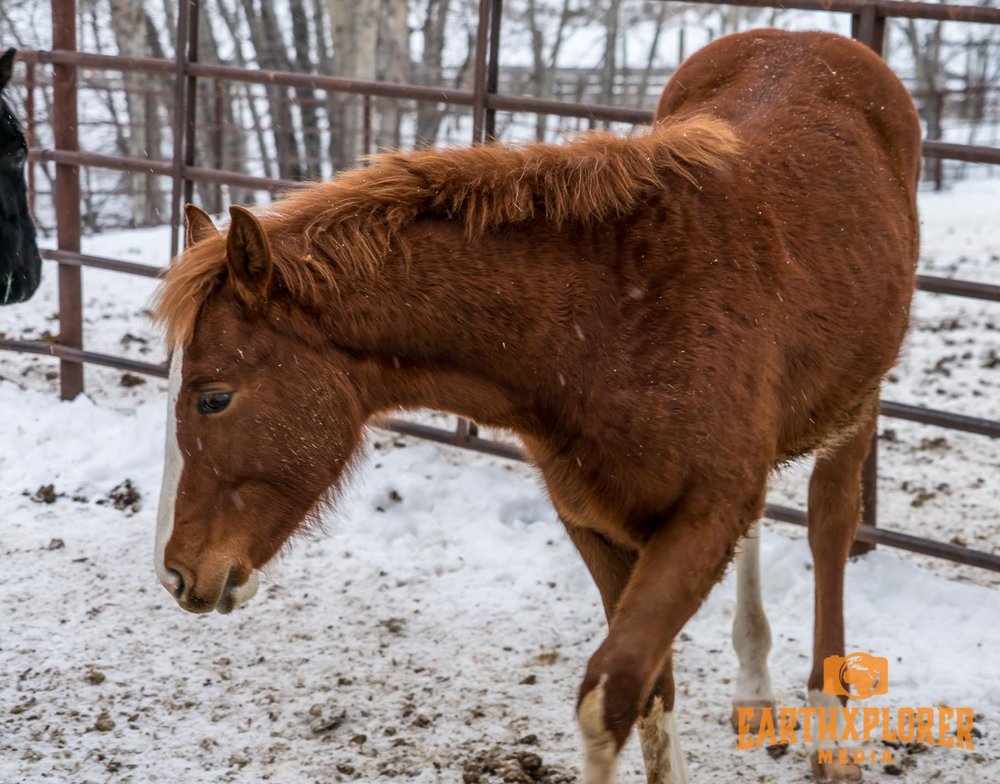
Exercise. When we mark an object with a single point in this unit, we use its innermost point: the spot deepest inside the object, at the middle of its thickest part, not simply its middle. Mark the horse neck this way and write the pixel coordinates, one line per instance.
(476, 326)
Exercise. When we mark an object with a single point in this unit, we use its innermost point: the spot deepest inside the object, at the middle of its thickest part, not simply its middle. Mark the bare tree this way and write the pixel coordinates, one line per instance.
(609, 69)
(393, 56)
(925, 42)
(354, 28)
(265, 33)
(136, 36)
(245, 98)
(221, 141)
(432, 73)
(540, 17)
(643, 87)
(308, 108)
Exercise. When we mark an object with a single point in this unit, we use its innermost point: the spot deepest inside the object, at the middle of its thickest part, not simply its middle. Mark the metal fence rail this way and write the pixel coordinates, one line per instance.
(868, 25)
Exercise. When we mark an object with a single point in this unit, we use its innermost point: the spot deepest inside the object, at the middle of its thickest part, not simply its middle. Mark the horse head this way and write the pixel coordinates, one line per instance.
(264, 417)
(20, 264)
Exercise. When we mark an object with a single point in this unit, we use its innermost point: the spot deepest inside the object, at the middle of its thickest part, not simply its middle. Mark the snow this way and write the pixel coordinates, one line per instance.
(442, 619)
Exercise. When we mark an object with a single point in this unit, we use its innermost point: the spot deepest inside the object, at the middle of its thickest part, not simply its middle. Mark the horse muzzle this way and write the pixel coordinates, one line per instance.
(207, 593)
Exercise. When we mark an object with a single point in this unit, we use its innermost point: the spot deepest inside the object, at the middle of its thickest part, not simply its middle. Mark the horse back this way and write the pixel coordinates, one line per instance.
(772, 83)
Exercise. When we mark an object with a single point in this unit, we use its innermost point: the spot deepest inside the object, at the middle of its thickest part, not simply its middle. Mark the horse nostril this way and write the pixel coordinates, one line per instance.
(175, 583)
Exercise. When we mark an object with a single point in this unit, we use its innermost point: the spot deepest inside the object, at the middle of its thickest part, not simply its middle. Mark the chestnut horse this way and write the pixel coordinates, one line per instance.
(20, 264)
(661, 318)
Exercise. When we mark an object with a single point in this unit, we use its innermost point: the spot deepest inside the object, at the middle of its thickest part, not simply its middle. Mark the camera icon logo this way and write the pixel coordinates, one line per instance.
(856, 675)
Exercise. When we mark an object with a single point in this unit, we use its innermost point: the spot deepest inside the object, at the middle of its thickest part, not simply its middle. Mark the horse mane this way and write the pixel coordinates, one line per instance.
(346, 227)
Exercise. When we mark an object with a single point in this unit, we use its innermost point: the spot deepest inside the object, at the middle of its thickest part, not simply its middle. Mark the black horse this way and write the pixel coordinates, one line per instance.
(20, 264)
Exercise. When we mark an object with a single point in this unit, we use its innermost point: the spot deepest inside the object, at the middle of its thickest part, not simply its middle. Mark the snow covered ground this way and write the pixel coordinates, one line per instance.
(437, 630)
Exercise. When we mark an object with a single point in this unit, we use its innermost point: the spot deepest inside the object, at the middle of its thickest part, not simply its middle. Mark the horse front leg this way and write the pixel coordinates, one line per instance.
(674, 572)
(611, 567)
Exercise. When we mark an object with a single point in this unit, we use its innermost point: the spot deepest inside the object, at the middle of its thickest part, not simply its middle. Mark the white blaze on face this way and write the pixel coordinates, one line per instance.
(173, 464)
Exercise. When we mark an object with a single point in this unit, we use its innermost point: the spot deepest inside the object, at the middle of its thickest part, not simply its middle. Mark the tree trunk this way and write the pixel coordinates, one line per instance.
(610, 67)
(271, 56)
(428, 114)
(643, 88)
(930, 80)
(536, 80)
(221, 140)
(132, 36)
(307, 97)
(354, 30)
(394, 66)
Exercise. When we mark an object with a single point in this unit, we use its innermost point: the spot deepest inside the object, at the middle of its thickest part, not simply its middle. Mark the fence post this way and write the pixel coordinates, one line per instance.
(868, 27)
(483, 118)
(191, 100)
(480, 76)
(180, 71)
(29, 127)
(151, 216)
(366, 124)
(218, 161)
(67, 197)
(480, 124)
(493, 69)
(935, 165)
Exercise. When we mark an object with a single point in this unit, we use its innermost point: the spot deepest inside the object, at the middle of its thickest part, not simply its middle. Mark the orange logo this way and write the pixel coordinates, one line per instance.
(857, 675)
(839, 729)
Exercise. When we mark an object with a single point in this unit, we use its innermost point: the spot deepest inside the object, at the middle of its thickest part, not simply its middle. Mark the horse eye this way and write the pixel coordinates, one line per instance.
(213, 402)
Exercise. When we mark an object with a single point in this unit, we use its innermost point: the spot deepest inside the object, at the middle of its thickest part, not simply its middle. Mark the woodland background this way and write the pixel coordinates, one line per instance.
(617, 52)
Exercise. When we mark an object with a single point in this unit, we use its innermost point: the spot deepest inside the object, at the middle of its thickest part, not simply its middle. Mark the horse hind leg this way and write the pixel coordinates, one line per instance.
(611, 568)
(834, 515)
(751, 638)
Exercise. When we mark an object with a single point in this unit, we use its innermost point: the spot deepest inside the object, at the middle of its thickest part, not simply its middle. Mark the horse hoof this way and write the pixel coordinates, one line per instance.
(834, 771)
(758, 707)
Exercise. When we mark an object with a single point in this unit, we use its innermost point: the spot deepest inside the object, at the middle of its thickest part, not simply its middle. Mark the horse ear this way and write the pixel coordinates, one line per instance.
(197, 225)
(248, 256)
(6, 66)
